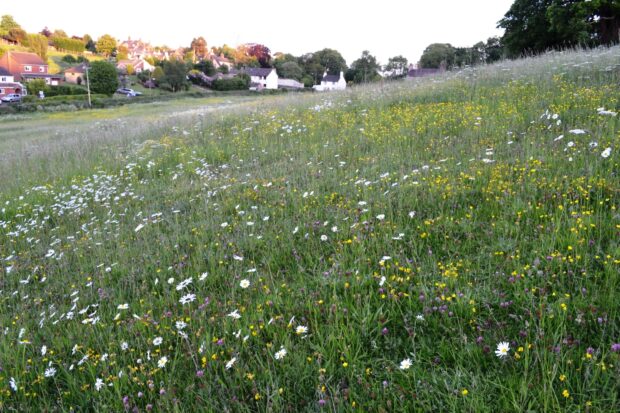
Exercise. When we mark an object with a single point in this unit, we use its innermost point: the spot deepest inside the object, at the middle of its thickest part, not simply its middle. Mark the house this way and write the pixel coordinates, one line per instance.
(27, 66)
(139, 65)
(290, 84)
(219, 61)
(6, 76)
(75, 74)
(332, 82)
(416, 72)
(260, 78)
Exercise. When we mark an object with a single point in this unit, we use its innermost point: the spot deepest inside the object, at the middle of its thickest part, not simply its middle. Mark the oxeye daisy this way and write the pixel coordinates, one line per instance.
(502, 349)
(405, 364)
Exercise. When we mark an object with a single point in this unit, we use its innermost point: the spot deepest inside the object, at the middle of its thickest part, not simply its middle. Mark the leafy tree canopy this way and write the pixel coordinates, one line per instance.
(103, 77)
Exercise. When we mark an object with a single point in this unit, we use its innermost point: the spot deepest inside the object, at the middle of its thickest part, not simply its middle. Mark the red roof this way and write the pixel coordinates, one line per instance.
(22, 58)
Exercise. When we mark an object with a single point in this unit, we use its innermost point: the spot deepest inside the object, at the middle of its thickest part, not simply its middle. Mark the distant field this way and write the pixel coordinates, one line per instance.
(449, 244)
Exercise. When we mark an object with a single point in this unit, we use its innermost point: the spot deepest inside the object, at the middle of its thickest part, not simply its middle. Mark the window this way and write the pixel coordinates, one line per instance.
(3, 79)
(27, 68)
(1, 91)
(41, 69)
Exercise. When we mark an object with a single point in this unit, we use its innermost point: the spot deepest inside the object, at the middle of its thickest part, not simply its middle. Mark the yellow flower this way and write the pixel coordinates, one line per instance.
(464, 392)
(562, 377)
(565, 393)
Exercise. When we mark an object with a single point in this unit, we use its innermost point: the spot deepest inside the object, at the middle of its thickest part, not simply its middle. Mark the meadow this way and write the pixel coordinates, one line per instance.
(444, 244)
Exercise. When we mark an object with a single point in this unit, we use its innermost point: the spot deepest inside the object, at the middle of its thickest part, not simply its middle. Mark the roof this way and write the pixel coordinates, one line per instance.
(331, 78)
(4, 72)
(22, 58)
(40, 76)
(254, 71)
(76, 69)
(292, 83)
(11, 84)
(422, 72)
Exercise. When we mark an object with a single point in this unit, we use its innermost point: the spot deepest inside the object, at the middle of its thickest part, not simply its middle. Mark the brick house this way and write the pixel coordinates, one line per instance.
(74, 73)
(8, 84)
(27, 66)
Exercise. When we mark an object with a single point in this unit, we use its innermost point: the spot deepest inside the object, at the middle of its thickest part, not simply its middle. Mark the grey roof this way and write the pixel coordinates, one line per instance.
(4, 72)
(331, 78)
(422, 72)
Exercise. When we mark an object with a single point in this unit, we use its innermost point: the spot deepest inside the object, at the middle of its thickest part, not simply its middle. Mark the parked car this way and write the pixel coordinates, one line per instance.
(128, 92)
(12, 97)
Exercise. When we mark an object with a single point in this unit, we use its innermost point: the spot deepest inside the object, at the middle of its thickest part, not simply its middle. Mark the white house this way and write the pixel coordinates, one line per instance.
(260, 78)
(331, 82)
(138, 65)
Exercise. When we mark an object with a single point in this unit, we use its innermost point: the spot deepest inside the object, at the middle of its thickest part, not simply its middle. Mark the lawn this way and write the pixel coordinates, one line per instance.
(444, 244)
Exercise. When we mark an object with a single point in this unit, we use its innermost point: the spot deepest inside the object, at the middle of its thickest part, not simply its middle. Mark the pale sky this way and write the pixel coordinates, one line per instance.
(385, 28)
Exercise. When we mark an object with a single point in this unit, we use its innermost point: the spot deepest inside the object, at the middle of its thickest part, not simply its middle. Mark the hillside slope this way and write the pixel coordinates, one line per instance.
(373, 249)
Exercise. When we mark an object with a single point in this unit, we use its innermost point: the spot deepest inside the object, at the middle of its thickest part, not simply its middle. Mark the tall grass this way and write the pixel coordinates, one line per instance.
(364, 250)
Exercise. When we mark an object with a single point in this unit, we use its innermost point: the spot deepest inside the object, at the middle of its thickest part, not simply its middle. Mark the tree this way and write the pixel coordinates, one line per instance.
(533, 26)
(122, 52)
(290, 70)
(199, 46)
(59, 33)
(206, 67)
(158, 74)
(438, 55)
(396, 67)
(89, 43)
(106, 45)
(37, 43)
(37, 85)
(316, 64)
(493, 49)
(261, 53)
(7, 23)
(103, 77)
(46, 32)
(364, 69)
(175, 76)
(17, 35)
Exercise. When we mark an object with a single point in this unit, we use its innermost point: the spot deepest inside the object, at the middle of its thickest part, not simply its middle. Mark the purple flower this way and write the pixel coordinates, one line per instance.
(615, 347)
(200, 373)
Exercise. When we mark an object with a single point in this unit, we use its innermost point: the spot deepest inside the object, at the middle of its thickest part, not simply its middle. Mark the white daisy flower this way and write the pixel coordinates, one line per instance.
(502, 349)
(405, 364)
(245, 283)
(161, 363)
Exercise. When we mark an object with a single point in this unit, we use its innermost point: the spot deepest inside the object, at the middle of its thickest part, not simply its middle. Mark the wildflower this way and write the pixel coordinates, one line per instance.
(419, 317)
(334, 228)
(157, 341)
(606, 153)
(124, 346)
(50, 372)
(323, 237)
(280, 354)
(565, 393)
(245, 283)
(203, 276)
(562, 377)
(405, 364)
(188, 298)
(230, 363)
(411, 214)
(301, 330)
(464, 392)
(184, 284)
(43, 350)
(235, 314)
(577, 131)
(381, 217)
(161, 363)
(502, 349)
(13, 384)
(615, 347)
(122, 306)
(98, 384)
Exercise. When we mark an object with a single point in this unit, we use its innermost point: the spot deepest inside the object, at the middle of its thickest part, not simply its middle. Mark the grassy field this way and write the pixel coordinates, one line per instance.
(450, 244)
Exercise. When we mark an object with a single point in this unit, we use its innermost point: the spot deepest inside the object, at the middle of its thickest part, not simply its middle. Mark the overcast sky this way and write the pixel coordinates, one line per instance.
(385, 28)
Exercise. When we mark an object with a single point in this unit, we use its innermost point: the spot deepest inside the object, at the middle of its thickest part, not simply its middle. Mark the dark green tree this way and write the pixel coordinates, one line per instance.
(206, 67)
(396, 67)
(290, 70)
(438, 55)
(175, 76)
(365, 69)
(103, 77)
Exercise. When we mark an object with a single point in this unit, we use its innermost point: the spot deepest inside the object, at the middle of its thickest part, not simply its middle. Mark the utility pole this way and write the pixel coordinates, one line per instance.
(88, 86)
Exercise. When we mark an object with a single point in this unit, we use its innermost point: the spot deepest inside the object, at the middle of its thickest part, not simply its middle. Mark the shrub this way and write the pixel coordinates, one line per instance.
(239, 82)
(69, 59)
